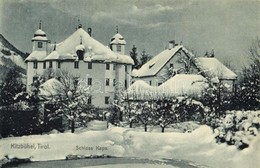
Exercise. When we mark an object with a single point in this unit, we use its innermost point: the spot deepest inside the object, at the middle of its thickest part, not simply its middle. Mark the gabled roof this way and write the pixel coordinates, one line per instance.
(153, 66)
(178, 85)
(213, 68)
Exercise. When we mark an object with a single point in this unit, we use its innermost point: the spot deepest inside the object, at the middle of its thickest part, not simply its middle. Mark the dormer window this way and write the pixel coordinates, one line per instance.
(151, 65)
(39, 44)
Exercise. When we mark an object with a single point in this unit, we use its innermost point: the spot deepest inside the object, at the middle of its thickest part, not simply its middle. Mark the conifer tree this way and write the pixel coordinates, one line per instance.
(144, 58)
(134, 54)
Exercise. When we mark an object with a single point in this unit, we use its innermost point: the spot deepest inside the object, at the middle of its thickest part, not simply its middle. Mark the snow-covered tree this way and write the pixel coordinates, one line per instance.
(20, 110)
(70, 99)
(142, 112)
(164, 113)
(11, 85)
(249, 90)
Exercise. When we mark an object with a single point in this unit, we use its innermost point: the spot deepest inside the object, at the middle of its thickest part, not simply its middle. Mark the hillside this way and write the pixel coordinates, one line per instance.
(9, 56)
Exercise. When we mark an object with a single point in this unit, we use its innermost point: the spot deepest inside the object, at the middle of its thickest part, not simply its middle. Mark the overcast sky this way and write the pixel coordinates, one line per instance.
(227, 26)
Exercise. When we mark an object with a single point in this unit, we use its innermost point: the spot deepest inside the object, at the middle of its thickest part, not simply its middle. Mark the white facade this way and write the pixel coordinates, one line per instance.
(105, 70)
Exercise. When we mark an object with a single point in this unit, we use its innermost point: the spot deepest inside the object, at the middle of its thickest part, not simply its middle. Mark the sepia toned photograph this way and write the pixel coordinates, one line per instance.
(130, 83)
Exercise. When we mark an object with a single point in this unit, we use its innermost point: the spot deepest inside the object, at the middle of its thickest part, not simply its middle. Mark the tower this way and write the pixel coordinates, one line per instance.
(118, 43)
(39, 41)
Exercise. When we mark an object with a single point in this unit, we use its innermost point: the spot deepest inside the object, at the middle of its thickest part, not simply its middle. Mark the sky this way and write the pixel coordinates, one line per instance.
(227, 26)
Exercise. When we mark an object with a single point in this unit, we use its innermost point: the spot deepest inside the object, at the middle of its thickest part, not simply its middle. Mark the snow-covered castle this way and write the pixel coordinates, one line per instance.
(103, 68)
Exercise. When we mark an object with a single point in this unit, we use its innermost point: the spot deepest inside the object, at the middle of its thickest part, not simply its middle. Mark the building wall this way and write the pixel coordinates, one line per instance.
(33, 72)
(98, 74)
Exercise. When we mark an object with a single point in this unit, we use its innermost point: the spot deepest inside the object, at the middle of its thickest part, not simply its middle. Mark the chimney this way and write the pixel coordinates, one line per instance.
(171, 44)
(89, 31)
(212, 53)
(79, 26)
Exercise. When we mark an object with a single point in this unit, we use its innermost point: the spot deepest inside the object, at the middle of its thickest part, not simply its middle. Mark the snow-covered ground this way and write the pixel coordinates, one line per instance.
(133, 166)
(199, 146)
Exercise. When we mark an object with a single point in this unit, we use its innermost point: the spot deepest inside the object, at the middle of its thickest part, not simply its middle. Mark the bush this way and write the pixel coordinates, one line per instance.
(237, 128)
(20, 122)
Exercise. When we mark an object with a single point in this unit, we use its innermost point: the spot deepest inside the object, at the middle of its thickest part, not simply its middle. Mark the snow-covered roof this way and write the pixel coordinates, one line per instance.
(36, 56)
(153, 66)
(178, 85)
(93, 48)
(183, 84)
(50, 87)
(118, 39)
(39, 38)
(213, 68)
(141, 90)
(39, 32)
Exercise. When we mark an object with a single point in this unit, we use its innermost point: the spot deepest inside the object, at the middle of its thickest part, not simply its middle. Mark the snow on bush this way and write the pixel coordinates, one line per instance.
(237, 128)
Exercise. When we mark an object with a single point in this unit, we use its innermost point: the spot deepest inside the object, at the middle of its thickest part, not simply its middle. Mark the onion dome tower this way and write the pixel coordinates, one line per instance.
(118, 43)
(39, 41)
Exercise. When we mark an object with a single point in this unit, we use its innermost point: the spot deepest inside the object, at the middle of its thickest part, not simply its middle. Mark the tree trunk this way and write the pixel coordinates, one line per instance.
(163, 129)
(72, 125)
(131, 124)
(145, 128)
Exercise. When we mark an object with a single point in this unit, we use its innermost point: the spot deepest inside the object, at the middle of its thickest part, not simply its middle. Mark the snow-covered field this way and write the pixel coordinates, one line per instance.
(199, 146)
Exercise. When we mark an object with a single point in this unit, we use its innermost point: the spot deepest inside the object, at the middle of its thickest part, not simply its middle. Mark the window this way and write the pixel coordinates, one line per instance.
(59, 64)
(76, 65)
(50, 64)
(90, 65)
(35, 65)
(171, 65)
(89, 81)
(107, 66)
(114, 66)
(35, 78)
(107, 81)
(114, 82)
(90, 100)
(39, 44)
(126, 68)
(118, 48)
(126, 84)
(106, 100)
(44, 65)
